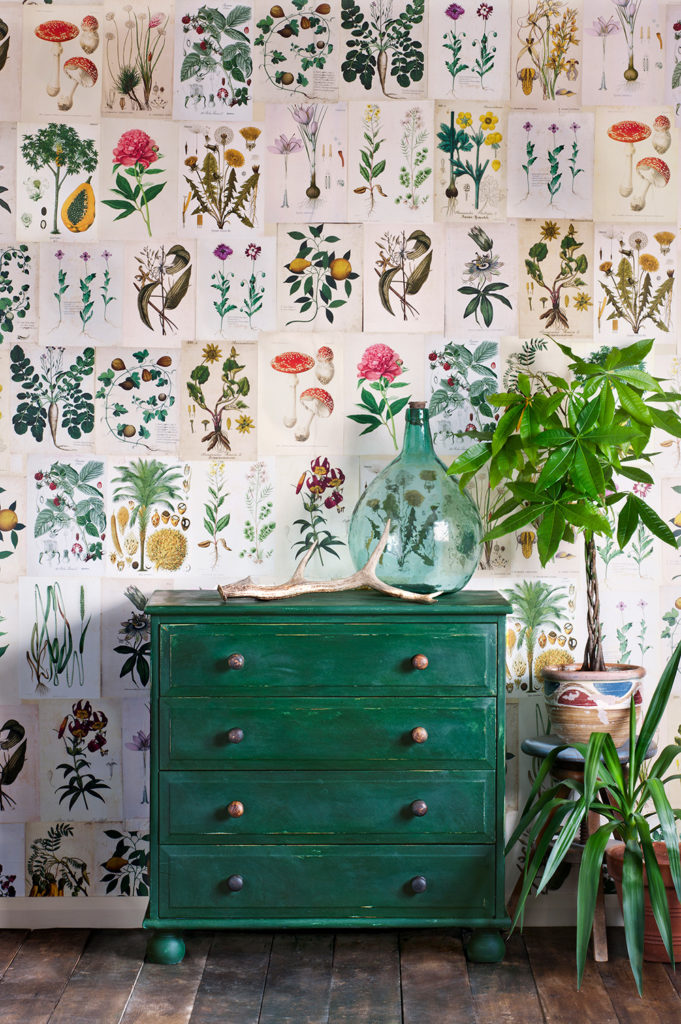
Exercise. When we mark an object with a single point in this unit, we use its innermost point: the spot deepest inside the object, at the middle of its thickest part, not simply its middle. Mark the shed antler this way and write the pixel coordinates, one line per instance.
(297, 585)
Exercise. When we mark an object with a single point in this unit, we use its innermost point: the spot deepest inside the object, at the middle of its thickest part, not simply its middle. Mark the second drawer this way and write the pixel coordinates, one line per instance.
(399, 806)
(286, 732)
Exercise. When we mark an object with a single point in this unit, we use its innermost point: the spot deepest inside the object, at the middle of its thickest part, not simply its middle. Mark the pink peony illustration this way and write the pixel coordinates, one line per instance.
(135, 147)
(379, 361)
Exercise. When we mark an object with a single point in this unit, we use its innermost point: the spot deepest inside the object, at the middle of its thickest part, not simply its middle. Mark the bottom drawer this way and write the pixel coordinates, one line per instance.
(313, 881)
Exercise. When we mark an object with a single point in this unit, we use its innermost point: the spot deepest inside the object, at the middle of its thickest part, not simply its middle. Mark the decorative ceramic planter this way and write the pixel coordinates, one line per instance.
(653, 946)
(580, 703)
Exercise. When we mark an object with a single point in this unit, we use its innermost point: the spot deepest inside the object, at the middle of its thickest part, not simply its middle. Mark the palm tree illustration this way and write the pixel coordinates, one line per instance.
(147, 484)
(536, 604)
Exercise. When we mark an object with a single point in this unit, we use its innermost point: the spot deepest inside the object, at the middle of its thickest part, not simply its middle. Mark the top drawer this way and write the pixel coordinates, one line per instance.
(331, 657)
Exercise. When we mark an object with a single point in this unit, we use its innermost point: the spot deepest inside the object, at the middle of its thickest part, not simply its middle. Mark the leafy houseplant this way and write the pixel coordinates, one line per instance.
(563, 448)
(554, 821)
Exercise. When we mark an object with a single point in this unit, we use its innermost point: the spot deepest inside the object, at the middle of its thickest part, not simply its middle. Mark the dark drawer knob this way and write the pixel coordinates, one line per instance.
(236, 661)
(236, 809)
(419, 808)
(235, 883)
(235, 735)
(419, 734)
(419, 661)
(418, 883)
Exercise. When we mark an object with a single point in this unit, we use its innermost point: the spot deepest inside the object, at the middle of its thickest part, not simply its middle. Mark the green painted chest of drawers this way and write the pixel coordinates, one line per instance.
(330, 761)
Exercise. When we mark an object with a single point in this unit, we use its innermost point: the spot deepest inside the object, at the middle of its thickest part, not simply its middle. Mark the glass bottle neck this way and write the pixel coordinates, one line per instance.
(417, 436)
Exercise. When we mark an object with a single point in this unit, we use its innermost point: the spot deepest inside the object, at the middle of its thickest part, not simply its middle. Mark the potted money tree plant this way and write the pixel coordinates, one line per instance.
(634, 805)
(568, 450)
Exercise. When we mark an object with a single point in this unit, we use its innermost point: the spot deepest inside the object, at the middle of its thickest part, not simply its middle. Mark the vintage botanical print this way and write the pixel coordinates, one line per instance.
(468, 53)
(300, 392)
(59, 859)
(138, 179)
(81, 290)
(403, 271)
(635, 274)
(638, 163)
(159, 292)
(213, 60)
(550, 164)
(67, 518)
(18, 312)
(546, 52)
(219, 172)
(136, 400)
(219, 405)
(621, 53)
(19, 745)
(471, 162)
(52, 388)
(462, 377)
(319, 277)
(137, 64)
(150, 517)
(556, 290)
(482, 272)
(236, 288)
(61, 63)
(382, 48)
(297, 50)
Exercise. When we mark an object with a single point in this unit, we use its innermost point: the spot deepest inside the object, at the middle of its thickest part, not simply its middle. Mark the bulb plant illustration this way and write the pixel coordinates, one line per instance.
(463, 144)
(315, 274)
(480, 273)
(52, 396)
(380, 41)
(285, 146)
(135, 152)
(220, 185)
(229, 396)
(377, 373)
(141, 742)
(309, 119)
(59, 149)
(321, 490)
(628, 16)
(83, 733)
(295, 44)
(603, 28)
(146, 383)
(148, 486)
(571, 265)
(371, 168)
(403, 267)
(630, 294)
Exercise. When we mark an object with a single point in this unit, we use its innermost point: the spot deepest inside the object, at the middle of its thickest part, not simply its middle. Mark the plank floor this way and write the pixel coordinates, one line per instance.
(321, 977)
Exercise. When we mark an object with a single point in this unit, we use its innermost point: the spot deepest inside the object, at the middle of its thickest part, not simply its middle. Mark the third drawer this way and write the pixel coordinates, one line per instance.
(338, 806)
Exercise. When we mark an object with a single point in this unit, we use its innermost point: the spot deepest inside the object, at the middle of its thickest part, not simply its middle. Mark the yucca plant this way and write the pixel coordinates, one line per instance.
(554, 821)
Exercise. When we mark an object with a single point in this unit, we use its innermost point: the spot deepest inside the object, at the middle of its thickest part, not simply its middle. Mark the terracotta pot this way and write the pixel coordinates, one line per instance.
(580, 703)
(653, 946)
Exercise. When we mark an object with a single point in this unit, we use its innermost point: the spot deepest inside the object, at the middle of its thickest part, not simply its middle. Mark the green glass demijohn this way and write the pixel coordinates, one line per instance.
(435, 532)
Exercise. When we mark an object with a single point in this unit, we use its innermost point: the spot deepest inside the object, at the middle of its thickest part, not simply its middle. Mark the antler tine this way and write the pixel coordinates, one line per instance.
(299, 573)
(375, 556)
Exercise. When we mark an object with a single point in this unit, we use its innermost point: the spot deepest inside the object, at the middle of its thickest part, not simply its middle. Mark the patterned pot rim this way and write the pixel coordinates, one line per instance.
(614, 673)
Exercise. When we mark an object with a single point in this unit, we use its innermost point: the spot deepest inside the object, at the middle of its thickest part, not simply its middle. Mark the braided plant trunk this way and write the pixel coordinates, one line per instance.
(593, 651)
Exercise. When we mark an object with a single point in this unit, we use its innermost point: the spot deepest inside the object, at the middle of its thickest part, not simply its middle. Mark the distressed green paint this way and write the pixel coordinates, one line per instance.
(327, 768)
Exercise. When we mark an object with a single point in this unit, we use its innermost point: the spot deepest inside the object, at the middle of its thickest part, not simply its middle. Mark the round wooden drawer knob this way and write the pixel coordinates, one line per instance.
(235, 883)
(235, 809)
(235, 735)
(236, 661)
(418, 883)
(419, 808)
(419, 661)
(419, 734)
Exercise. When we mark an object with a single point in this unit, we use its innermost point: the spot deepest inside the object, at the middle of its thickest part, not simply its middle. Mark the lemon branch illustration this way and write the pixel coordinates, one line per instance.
(316, 273)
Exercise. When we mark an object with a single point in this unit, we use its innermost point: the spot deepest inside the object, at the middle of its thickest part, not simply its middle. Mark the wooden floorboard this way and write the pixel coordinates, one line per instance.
(233, 981)
(365, 986)
(33, 983)
(11, 940)
(435, 986)
(167, 994)
(298, 979)
(551, 952)
(501, 991)
(100, 986)
(661, 1003)
(413, 976)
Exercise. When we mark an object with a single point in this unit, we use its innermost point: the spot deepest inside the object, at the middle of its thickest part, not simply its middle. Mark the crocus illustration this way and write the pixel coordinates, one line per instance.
(603, 28)
(141, 742)
(627, 12)
(309, 118)
(135, 151)
(284, 146)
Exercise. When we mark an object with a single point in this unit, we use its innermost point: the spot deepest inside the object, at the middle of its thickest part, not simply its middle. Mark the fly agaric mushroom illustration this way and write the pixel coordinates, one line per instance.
(80, 71)
(317, 402)
(56, 32)
(292, 363)
(89, 39)
(653, 171)
(629, 132)
(324, 369)
(662, 138)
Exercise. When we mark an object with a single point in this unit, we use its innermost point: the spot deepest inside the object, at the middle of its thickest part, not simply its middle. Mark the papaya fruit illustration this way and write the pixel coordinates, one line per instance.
(78, 211)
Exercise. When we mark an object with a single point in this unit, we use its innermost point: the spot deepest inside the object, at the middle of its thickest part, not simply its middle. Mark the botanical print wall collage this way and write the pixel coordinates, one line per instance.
(236, 238)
